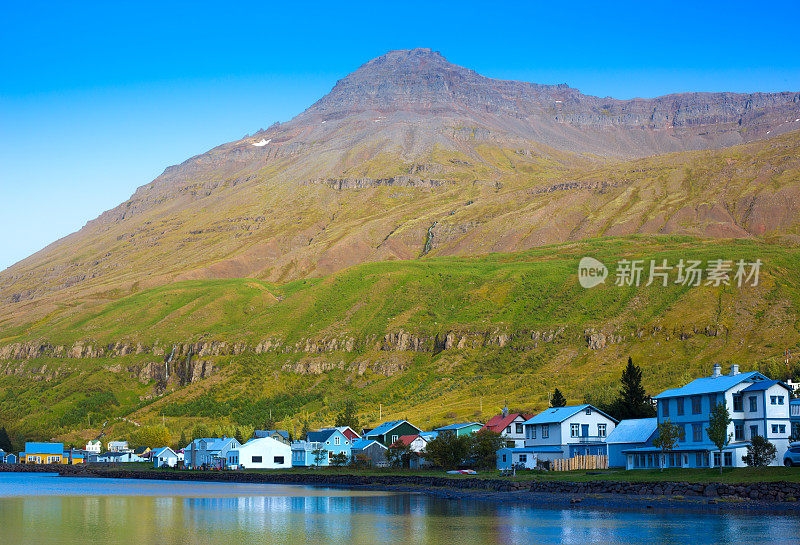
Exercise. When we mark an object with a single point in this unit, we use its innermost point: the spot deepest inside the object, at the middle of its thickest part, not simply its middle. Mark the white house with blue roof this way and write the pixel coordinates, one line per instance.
(564, 432)
(757, 406)
(629, 434)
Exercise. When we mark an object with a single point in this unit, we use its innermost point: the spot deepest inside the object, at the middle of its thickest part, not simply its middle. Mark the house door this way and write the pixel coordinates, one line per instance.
(584, 430)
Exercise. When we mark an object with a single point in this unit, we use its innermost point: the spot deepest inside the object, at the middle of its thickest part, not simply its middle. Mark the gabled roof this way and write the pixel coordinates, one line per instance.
(429, 435)
(634, 430)
(214, 443)
(500, 422)
(44, 448)
(164, 450)
(361, 444)
(321, 436)
(555, 415)
(765, 385)
(711, 385)
(407, 439)
(458, 426)
(266, 433)
(386, 427)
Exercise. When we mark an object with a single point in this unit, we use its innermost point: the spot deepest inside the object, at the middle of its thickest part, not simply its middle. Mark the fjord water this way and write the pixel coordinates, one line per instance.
(45, 509)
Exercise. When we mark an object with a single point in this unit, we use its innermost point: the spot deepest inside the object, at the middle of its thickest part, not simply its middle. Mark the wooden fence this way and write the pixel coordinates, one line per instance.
(583, 461)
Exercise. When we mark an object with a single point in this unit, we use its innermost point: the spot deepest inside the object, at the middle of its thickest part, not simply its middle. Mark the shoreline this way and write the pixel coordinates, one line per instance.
(596, 495)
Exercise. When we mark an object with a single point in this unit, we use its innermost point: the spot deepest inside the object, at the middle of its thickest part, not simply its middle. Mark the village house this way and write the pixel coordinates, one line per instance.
(416, 444)
(260, 453)
(7, 457)
(347, 431)
(509, 426)
(118, 446)
(794, 418)
(209, 452)
(164, 457)
(318, 447)
(117, 458)
(757, 406)
(565, 432)
(42, 453)
(460, 430)
(369, 452)
(629, 434)
(94, 446)
(520, 457)
(278, 435)
(389, 432)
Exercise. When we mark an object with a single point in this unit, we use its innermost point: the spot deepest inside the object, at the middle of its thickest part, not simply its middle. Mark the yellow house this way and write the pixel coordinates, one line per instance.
(43, 453)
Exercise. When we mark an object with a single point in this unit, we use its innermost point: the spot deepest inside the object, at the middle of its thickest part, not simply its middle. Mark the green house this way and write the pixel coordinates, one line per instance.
(389, 432)
(467, 428)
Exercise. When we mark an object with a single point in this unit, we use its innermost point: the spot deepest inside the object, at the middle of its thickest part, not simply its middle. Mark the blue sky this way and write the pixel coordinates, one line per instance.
(97, 99)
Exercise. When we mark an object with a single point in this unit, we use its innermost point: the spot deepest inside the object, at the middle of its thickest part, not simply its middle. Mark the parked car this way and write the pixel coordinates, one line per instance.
(792, 456)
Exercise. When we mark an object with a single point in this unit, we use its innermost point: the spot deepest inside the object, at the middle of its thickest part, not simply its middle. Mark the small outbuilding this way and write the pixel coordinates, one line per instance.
(521, 457)
(164, 457)
(629, 434)
(369, 451)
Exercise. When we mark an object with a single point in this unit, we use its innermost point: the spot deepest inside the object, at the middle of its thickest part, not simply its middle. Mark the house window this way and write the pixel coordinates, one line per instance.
(679, 401)
(574, 430)
(737, 403)
(588, 410)
(601, 430)
(394, 439)
(753, 431)
(696, 405)
(504, 458)
(665, 407)
(523, 458)
(717, 460)
(257, 459)
(337, 440)
(774, 428)
(773, 400)
(278, 459)
(795, 429)
(545, 431)
(533, 432)
(698, 459)
(697, 433)
(738, 432)
(682, 433)
(508, 429)
(728, 459)
(780, 400)
(519, 428)
(782, 429)
(753, 403)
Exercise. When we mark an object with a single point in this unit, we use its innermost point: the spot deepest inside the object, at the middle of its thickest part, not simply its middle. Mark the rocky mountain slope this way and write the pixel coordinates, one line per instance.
(219, 273)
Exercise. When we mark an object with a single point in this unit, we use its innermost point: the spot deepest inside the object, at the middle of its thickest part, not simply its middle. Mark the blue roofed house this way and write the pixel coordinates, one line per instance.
(466, 428)
(757, 406)
(165, 457)
(627, 435)
(318, 447)
(564, 432)
(369, 452)
(209, 452)
(389, 432)
(42, 453)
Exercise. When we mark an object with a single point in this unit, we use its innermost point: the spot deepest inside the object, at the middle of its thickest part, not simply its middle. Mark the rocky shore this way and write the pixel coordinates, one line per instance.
(762, 496)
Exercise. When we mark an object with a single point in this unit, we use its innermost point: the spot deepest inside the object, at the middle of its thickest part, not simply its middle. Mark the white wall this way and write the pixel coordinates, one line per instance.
(267, 449)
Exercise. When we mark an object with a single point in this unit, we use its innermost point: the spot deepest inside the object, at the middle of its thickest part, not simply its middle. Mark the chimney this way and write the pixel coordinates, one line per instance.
(717, 371)
(734, 369)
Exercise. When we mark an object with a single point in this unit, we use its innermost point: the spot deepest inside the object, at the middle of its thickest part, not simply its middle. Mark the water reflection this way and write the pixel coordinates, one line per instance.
(206, 513)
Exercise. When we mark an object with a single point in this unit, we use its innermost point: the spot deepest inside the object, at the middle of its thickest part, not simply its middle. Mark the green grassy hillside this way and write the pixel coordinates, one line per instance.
(432, 340)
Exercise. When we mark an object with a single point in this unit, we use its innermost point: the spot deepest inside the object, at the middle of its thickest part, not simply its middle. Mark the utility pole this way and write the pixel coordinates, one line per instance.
(380, 412)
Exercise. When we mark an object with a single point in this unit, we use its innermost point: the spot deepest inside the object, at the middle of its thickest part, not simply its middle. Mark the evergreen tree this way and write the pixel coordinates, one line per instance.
(239, 437)
(304, 432)
(184, 441)
(558, 399)
(5, 441)
(633, 401)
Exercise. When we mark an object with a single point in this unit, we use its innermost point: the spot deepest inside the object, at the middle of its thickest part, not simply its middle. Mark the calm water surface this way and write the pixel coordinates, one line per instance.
(45, 509)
